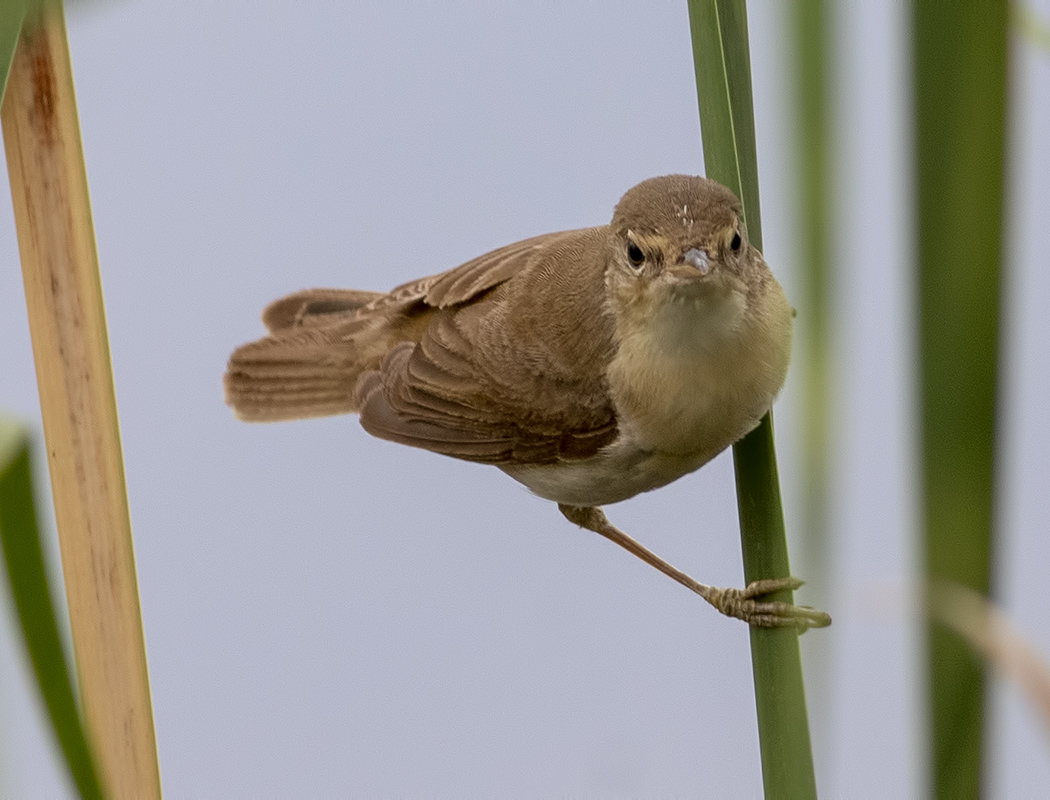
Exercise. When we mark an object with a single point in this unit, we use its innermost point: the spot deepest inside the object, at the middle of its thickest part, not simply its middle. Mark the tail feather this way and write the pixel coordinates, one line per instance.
(320, 342)
(293, 374)
(314, 307)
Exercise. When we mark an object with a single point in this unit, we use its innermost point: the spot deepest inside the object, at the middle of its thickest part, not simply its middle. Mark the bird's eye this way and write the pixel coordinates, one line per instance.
(735, 244)
(635, 254)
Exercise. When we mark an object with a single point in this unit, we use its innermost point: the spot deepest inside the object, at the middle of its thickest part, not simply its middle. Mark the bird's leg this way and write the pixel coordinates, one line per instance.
(739, 603)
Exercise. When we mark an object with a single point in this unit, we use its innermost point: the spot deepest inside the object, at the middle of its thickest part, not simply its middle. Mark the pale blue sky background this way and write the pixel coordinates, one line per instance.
(331, 615)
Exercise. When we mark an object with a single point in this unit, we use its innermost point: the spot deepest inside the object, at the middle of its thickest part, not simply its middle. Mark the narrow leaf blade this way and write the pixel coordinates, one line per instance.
(27, 576)
(723, 76)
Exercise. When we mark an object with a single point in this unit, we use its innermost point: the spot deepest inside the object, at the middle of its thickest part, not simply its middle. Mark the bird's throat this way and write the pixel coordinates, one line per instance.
(695, 376)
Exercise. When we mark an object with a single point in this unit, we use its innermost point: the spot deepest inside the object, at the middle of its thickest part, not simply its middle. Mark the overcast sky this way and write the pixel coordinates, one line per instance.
(331, 615)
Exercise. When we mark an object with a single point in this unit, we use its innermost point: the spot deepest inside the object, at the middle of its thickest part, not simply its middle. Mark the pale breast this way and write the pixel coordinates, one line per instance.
(683, 391)
(695, 377)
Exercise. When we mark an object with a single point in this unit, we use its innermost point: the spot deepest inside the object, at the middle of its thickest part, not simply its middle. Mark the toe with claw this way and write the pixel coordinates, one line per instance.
(746, 604)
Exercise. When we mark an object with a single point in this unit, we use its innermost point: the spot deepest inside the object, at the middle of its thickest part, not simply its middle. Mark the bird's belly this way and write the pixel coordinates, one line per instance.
(618, 472)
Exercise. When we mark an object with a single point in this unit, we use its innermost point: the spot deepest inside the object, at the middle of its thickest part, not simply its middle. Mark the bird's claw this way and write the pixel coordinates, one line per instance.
(744, 604)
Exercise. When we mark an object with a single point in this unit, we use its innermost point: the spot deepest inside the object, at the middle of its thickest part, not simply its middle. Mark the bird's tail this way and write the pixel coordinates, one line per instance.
(307, 366)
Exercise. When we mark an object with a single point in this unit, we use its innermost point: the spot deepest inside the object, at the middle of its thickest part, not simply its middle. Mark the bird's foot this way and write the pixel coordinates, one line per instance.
(740, 603)
(746, 604)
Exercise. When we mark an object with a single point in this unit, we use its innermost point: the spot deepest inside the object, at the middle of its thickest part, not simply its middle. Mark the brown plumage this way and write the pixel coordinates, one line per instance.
(590, 365)
(437, 363)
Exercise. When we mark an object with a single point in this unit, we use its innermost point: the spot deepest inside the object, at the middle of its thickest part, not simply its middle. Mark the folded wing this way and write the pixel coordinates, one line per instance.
(433, 363)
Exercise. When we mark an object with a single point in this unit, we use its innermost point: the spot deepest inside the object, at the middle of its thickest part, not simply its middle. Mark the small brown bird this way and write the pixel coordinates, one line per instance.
(589, 365)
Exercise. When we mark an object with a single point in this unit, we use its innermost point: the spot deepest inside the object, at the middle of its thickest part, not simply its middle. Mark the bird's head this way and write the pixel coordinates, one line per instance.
(679, 254)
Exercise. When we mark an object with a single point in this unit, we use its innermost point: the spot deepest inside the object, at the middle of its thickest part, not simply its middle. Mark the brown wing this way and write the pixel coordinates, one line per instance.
(467, 281)
(510, 367)
(439, 363)
(478, 275)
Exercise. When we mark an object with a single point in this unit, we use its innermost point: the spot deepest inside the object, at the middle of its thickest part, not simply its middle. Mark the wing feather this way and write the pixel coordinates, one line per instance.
(439, 363)
(440, 395)
(315, 307)
(468, 280)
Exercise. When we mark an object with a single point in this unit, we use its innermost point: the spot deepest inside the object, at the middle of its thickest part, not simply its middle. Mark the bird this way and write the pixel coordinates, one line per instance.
(590, 365)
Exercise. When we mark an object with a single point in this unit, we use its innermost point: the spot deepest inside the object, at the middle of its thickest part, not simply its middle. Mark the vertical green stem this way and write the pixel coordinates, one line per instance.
(812, 50)
(780, 697)
(811, 45)
(723, 79)
(960, 108)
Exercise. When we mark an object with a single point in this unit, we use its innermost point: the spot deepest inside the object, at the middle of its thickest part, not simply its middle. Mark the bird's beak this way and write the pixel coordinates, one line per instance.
(698, 259)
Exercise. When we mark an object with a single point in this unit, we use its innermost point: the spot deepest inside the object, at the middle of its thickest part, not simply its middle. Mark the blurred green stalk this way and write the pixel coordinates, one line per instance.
(723, 81)
(810, 22)
(27, 576)
(812, 47)
(12, 12)
(960, 111)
